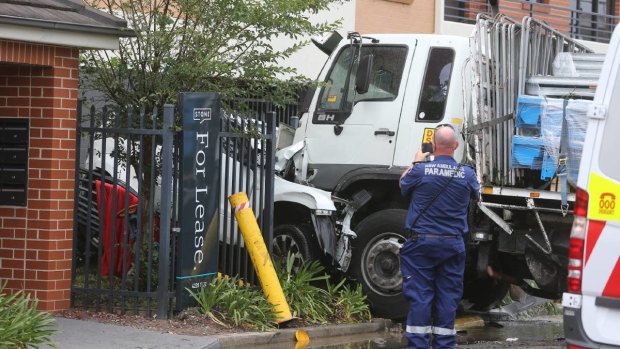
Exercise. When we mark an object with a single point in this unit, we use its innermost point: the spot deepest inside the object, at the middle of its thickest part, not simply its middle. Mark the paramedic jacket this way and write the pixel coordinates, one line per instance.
(448, 213)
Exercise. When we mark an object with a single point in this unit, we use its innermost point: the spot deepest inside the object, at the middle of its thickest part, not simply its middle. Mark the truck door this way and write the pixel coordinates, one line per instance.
(347, 130)
(599, 174)
(434, 97)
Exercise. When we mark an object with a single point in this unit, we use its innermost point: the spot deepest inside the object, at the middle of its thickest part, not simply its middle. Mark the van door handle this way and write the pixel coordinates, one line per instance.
(384, 131)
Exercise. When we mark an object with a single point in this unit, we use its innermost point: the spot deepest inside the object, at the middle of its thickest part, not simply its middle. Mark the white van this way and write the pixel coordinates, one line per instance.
(592, 301)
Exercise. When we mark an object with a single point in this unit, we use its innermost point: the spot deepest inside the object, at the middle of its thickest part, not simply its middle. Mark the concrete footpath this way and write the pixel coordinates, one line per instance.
(74, 334)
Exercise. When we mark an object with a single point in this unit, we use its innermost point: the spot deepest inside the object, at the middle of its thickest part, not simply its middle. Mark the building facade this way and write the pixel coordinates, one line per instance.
(589, 20)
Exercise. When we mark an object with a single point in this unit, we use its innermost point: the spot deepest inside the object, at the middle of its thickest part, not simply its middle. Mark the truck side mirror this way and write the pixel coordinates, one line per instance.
(362, 78)
(328, 43)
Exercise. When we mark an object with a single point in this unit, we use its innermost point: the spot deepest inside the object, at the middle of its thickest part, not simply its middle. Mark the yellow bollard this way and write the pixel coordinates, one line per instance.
(260, 256)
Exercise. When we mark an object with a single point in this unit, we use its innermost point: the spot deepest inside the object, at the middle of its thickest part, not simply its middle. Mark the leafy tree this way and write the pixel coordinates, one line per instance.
(202, 45)
(197, 45)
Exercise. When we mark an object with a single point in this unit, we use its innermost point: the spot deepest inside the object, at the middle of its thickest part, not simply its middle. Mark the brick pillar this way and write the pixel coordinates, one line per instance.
(36, 241)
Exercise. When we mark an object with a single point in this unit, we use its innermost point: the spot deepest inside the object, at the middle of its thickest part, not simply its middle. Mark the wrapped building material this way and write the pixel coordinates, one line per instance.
(529, 109)
(527, 152)
(576, 124)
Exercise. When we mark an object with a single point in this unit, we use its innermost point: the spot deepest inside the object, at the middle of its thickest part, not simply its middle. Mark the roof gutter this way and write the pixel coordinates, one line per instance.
(82, 28)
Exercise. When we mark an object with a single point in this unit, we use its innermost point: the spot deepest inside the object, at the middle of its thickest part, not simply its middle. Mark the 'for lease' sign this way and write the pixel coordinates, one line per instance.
(198, 240)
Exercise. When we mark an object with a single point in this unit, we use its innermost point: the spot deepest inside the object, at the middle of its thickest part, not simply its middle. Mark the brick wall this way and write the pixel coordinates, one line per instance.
(473, 7)
(558, 16)
(382, 16)
(40, 82)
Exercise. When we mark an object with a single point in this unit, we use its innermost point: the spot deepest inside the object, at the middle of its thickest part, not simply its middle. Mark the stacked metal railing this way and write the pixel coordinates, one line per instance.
(505, 54)
(540, 44)
(495, 61)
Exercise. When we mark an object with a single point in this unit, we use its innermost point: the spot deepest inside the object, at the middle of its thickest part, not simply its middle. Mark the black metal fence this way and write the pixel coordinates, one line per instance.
(126, 213)
(124, 207)
(247, 146)
(583, 19)
(249, 107)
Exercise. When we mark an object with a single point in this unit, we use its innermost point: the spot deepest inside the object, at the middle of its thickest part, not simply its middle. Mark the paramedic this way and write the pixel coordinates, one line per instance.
(432, 260)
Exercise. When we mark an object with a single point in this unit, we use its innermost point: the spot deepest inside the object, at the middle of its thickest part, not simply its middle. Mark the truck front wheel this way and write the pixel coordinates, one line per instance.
(375, 263)
(291, 239)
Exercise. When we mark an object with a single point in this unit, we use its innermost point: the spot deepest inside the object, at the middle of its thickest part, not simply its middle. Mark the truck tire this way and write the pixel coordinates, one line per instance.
(375, 262)
(289, 238)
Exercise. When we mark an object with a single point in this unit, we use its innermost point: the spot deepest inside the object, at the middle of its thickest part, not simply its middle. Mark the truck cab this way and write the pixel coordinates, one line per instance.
(414, 83)
(379, 98)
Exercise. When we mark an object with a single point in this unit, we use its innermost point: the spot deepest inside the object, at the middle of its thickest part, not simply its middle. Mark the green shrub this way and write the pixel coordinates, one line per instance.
(208, 298)
(246, 306)
(338, 302)
(351, 304)
(21, 325)
(307, 301)
(227, 303)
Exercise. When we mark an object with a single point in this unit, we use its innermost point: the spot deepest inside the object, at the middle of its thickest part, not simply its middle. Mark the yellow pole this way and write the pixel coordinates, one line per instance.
(261, 259)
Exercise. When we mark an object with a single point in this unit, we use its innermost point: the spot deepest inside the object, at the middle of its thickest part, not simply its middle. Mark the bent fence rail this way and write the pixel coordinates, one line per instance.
(247, 146)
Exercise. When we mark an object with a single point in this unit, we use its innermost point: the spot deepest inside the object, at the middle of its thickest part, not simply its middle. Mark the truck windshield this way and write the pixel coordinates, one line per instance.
(436, 83)
(385, 76)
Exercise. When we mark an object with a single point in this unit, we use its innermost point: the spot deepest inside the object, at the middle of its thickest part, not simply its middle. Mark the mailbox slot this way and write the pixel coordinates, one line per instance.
(14, 136)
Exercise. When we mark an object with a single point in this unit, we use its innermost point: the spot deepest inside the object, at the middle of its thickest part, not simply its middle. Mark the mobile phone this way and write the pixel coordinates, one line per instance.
(427, 148)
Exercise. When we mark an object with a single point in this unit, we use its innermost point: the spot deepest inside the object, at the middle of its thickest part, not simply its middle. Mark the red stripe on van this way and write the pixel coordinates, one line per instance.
(595, 228)
(612, 289)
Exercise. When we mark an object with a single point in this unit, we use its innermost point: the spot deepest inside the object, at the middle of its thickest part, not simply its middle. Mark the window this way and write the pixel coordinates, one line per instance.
(609, 148)
(592, 19)
(333, 91)
(436, 84)
(385, 77)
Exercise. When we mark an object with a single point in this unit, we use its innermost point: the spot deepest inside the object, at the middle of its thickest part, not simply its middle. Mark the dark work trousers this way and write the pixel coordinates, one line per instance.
(432, 270)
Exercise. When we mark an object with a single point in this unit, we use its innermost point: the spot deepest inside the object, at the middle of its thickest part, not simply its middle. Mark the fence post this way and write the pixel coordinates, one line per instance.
(269, 181)
(76, 192)
(165, 216)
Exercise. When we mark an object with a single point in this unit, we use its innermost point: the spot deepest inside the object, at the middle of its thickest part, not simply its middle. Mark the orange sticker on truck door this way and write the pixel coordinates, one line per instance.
(428, 135)
(332, 99)
(603, 196)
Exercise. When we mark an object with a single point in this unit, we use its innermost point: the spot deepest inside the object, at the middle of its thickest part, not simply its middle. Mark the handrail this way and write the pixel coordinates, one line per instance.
(573, 22)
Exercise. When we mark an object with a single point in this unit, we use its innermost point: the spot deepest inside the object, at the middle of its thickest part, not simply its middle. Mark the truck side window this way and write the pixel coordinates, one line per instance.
(436, 84)
(333, 91)
(385, 77)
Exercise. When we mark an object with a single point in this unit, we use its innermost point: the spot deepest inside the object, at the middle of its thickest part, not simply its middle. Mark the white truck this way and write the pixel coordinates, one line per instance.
(381, 96)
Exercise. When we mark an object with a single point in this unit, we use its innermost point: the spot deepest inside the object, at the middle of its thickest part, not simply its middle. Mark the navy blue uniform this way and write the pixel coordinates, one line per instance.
(432, 264)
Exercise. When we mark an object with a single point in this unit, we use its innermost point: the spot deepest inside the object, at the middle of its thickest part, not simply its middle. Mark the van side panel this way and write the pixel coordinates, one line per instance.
(599, 175)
